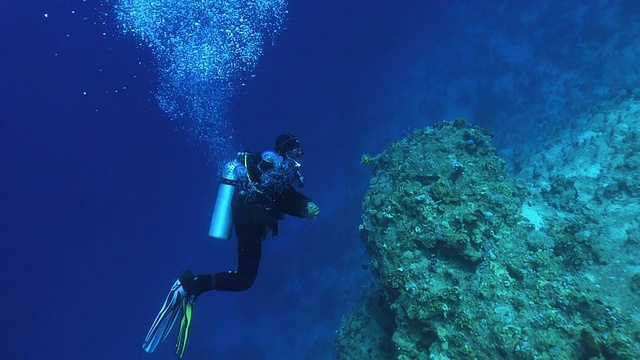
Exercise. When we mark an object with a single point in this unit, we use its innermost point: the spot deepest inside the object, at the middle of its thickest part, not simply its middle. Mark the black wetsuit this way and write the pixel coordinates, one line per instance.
(257, 206)
(252, 223)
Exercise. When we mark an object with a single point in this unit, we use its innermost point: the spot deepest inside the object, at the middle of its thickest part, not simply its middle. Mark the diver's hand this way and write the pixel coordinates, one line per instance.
(312, 210)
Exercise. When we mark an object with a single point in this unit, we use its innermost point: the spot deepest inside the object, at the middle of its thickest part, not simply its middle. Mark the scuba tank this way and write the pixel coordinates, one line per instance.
(222, 218)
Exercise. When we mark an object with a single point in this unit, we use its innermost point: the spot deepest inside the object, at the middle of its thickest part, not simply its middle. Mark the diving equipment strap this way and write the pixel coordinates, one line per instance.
(246, 165)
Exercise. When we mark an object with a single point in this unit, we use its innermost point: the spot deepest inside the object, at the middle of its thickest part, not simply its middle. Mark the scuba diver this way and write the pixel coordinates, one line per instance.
(256, 191)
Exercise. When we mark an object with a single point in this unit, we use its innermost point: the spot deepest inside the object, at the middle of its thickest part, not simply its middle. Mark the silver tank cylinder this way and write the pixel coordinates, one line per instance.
(222, 218)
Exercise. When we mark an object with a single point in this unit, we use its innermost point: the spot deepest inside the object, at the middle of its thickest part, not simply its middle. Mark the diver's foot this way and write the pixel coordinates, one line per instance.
(196, 285)
(187, 279)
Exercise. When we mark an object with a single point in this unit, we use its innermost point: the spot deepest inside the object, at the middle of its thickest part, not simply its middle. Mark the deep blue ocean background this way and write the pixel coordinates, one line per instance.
(104, 200)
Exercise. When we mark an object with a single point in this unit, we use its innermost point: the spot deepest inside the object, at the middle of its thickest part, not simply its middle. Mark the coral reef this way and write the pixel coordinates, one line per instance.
(468, 266)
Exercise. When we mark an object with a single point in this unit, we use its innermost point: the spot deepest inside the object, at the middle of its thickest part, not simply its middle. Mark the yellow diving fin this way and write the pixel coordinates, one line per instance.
(185, 324)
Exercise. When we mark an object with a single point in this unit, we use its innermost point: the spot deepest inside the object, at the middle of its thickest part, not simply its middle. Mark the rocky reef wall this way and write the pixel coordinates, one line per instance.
(468, 269)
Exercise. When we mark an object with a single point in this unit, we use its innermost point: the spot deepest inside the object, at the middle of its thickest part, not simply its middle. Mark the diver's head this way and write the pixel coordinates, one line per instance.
(288, 146)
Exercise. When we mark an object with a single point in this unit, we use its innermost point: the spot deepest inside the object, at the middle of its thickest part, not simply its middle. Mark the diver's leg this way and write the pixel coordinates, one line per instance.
(187, 288)
(249, 252)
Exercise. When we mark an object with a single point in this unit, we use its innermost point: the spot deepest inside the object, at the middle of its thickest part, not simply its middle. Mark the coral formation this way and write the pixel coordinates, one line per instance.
(470, 269)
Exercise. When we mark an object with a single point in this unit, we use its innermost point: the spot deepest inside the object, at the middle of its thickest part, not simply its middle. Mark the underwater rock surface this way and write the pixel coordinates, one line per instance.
(469, 268)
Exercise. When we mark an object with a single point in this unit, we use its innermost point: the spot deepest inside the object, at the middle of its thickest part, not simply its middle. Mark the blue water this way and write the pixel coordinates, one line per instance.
(109, 159)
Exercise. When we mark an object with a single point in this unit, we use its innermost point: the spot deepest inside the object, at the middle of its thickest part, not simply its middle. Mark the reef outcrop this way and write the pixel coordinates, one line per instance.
(468, 269)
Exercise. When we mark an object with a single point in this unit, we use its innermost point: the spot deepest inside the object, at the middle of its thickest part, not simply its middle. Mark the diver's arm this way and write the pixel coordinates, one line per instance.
(294, 203)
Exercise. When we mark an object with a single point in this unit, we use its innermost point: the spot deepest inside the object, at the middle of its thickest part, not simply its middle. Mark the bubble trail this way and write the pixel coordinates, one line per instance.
(204, 50)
